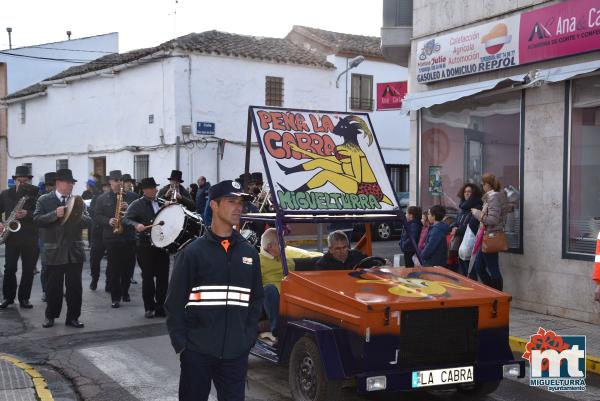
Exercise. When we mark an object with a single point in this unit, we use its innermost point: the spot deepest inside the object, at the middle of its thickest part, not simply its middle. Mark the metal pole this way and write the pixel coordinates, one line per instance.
(177, 151)
(320, 237)
(9, 30)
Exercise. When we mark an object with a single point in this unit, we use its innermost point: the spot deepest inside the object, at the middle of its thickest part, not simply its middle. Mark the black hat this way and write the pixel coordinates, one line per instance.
(176, 175)
(227, 188)
(127, 177)
(240, 179)
(115, 175)
(22, 171)
(65, 174)
(50, 178)
(148, 183)
(256, 177)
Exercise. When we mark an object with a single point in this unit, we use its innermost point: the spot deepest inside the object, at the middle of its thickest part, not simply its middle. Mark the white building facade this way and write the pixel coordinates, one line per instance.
(129, 115)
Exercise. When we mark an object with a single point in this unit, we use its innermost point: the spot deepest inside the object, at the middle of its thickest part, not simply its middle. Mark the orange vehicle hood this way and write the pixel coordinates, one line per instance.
(401, 288)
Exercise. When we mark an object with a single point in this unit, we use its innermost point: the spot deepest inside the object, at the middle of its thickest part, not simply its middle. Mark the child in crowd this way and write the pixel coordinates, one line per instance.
(452, 254)
(414, 225)
(435, 252)
(422, 237)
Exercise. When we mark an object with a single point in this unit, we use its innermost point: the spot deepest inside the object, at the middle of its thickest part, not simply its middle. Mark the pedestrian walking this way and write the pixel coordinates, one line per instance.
(63, 252)
(214, 302)
(153, 261)
(20, 237)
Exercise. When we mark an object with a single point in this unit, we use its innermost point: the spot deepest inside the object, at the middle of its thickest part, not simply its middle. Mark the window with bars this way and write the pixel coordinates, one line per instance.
(62, 163)
(361, 92)
(23, 112)
(140, 166)
(274, 91)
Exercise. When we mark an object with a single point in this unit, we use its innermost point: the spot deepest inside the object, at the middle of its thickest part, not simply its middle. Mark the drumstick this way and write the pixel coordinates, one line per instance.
(160, 223)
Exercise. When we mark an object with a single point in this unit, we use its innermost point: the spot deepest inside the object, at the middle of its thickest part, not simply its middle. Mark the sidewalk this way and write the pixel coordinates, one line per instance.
(20, 381)
(524, 324)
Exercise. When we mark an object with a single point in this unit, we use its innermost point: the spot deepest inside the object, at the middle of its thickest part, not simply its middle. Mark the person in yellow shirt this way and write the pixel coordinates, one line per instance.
(272, 271)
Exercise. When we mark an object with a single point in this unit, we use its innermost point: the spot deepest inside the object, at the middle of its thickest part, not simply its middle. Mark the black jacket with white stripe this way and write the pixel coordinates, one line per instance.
(215, 297)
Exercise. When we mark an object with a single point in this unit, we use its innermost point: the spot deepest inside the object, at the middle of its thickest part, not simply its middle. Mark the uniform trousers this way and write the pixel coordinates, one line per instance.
(199, 370)
(28, 251)
(69, 275)
(155, 275)
(121, 257)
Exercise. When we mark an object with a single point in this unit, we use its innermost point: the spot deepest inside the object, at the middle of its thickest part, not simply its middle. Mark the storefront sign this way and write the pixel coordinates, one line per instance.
(323, 161)
(390, 95)
(481, 48)
(562, 29)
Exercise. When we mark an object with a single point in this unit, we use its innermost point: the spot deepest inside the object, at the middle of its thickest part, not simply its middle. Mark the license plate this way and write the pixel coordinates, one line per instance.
(439, 377)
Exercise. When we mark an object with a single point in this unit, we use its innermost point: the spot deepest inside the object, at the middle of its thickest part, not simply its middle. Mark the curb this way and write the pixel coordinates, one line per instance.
(517, 344)
(41, 387)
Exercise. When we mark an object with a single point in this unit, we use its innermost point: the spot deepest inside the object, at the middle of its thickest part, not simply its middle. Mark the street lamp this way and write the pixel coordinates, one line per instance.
(353, 64)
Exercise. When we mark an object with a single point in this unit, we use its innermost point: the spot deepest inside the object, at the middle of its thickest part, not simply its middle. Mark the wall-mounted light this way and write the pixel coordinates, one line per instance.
(352, 64)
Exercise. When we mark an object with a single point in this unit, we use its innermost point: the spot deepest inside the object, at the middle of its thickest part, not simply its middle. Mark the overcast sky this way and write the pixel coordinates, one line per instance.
(145, 23)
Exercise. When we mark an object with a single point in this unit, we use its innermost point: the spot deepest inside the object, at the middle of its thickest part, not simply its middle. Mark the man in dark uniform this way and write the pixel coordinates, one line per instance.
(63, 250)
(153, 261)
(120, 247)
(21, 244)
(214, 303)
(49, 186)
(339, 256)
(129, 187)
(97, 248)
(183, 196)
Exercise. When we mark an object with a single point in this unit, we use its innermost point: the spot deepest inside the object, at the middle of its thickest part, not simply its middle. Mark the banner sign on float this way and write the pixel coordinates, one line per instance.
(323, 161)
(563, 29)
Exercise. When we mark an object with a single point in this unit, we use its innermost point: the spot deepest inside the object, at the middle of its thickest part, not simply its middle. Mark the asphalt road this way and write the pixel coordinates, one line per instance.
(120, 355)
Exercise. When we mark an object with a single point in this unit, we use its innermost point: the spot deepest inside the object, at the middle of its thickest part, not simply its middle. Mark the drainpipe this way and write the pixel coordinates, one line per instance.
(177, 151)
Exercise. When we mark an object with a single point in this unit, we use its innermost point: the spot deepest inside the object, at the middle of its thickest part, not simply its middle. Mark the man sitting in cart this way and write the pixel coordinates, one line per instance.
(272, 272)
(339, 256)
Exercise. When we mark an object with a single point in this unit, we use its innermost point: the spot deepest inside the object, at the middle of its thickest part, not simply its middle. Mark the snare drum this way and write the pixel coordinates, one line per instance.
(180, 228)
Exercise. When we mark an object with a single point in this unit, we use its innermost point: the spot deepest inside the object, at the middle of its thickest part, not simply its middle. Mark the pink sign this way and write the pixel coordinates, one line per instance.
(560, 30)
(390, 95)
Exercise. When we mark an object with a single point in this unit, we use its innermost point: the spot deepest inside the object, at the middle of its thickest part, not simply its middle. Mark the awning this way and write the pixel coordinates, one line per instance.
(565, 72)
(419, 100)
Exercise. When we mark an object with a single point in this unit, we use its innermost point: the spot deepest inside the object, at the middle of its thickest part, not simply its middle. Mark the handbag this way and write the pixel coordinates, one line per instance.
(494, 242)
(466, 246)
(455, 243)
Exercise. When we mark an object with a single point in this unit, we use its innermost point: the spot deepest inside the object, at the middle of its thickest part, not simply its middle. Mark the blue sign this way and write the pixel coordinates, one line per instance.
(205, 128)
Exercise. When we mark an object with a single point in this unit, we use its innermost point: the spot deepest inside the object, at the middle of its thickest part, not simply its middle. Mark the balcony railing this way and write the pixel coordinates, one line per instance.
(359, 103)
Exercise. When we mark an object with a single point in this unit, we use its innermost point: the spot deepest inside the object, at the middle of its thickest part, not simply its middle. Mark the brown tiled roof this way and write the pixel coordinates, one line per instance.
(210, 42)
(343, 42)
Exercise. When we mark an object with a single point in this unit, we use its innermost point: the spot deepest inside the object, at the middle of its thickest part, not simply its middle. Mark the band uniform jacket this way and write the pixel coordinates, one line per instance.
(215, 297)
(8, 200)
(141, 212)
(186, 199)
(62, 243)
(104, 210)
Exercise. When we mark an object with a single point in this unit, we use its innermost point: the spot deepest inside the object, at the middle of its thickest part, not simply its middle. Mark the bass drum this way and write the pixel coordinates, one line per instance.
(178, 229)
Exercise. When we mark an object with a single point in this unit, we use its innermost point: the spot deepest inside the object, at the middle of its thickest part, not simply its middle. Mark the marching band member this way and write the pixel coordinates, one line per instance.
(176, 191)
(118, 238)
(22, 243)
(214, 303)
(153, 261)
(63, 250)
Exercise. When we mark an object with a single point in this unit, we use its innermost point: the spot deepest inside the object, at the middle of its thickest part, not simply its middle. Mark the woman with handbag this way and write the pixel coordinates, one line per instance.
(470, 197)
(492, 218)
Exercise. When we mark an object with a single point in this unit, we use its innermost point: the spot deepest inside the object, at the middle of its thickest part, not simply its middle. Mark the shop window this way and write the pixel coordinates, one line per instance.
(361, 92)
(583, 169)
(140, 166)
(462, 140)
(398, 174)
(274, 91)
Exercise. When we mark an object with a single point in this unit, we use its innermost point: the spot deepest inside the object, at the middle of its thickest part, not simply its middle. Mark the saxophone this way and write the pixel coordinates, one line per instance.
(11, 224)
(118, 228)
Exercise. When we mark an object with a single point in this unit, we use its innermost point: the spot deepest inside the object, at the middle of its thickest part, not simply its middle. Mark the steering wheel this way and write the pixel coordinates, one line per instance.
(370, 261)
